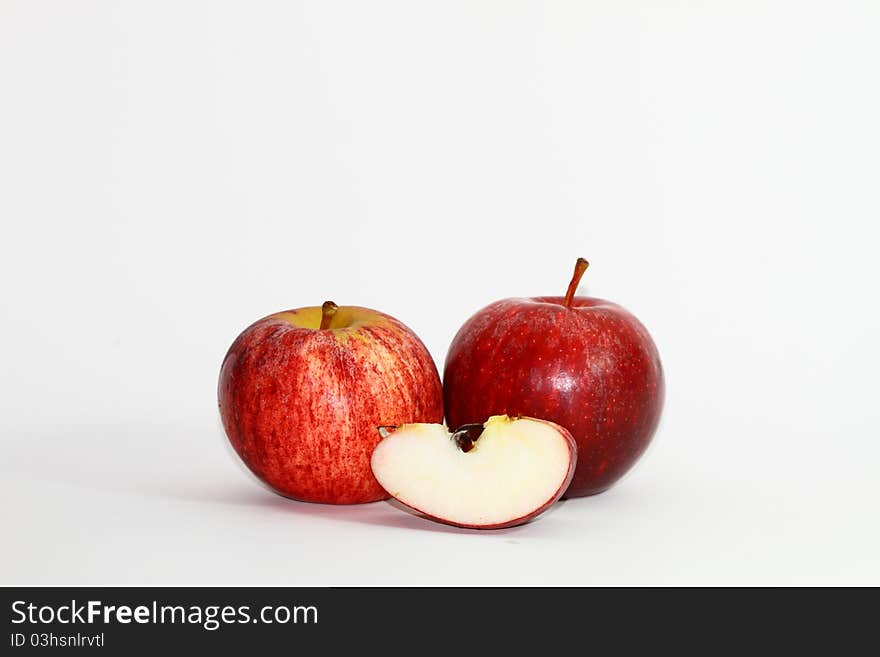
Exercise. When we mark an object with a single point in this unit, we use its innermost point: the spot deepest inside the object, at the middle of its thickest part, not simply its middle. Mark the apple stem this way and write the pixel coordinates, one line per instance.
(327, 311)
(579, 268)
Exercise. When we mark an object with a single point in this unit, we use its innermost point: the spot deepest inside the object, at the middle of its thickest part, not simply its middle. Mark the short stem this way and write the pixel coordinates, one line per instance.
(579, 268)
(327, 311)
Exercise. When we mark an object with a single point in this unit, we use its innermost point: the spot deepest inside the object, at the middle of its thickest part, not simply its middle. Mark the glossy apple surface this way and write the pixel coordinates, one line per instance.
(504, 472)
(584, 363)
(300, 403)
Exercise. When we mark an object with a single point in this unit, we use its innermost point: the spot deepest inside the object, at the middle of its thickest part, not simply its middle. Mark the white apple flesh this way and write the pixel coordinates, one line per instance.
(502, 474)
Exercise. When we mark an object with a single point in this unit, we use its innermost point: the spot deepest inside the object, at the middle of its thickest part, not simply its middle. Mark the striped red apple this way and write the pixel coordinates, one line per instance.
(301, 393)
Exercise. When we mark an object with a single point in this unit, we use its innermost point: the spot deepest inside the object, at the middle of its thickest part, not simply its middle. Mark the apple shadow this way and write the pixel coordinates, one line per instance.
(389, 513)
(157, 461)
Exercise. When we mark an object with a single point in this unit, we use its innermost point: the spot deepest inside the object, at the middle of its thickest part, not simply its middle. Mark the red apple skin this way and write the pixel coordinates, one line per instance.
(591, 368)
(300, 406)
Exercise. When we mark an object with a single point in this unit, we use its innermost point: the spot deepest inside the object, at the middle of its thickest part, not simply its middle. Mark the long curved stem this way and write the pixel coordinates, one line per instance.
(579, 268)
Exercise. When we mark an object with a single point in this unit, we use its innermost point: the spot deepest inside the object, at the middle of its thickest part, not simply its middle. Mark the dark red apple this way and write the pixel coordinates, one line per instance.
(583, 363)
(301, 393)
(504, 472)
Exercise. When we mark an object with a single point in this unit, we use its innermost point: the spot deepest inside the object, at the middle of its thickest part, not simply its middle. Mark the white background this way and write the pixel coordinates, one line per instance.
(172, 171)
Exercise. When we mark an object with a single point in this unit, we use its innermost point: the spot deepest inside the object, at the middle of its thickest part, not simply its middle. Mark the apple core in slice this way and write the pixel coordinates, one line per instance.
(506, 474)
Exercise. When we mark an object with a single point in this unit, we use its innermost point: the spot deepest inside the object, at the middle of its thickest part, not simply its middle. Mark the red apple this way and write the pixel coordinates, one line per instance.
(584, 363)
(502, 473)
(301, 393)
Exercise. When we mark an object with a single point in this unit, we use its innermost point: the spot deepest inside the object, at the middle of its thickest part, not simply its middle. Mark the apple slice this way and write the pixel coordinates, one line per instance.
(485, 476)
